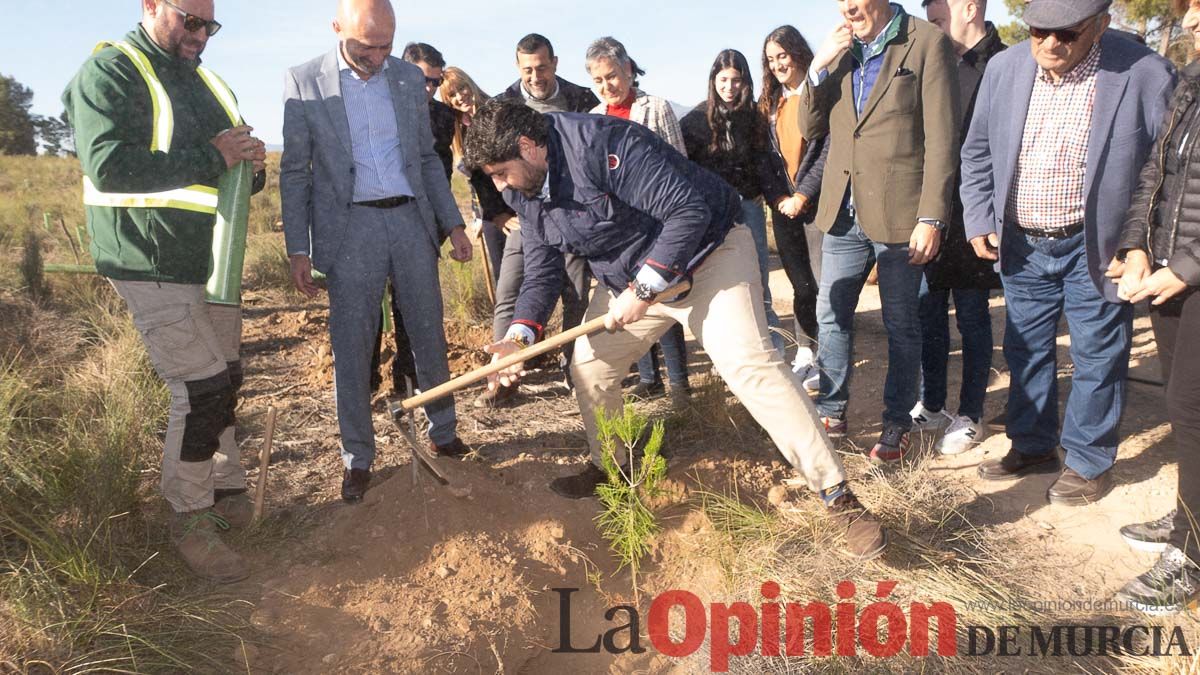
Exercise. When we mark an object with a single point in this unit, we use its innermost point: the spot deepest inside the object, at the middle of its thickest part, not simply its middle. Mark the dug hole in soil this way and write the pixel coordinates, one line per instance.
(427, 578)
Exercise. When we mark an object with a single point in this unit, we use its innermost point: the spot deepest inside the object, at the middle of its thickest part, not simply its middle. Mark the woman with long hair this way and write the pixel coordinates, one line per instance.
(615, 75)
(786, 57)
(728, 135)
(493, 218)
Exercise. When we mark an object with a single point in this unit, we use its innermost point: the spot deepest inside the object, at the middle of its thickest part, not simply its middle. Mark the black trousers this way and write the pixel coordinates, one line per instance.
(1173, 323)
(799, 245)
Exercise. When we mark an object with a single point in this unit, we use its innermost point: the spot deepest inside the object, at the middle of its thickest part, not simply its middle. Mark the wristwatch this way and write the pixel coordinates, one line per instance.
(936, 224)
(644, 292)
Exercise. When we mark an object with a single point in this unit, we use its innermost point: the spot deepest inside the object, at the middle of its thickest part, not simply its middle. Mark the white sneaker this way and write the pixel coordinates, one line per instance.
(961, 435)
(926, 420)
(805, 368)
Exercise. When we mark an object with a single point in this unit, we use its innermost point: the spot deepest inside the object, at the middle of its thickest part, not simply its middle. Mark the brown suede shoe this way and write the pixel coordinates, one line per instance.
(865, 538)
(196, 537)
(236, 509)
(581, 485)
(1016, 465)
(1071, 489)
(455, 448)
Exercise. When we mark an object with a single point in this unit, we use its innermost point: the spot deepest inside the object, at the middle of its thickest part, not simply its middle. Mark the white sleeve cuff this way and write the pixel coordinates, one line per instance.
(816, 77)
(650, 278)
(523, 333)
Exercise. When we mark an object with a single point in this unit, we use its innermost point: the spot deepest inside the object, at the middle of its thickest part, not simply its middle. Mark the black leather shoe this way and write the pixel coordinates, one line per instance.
(354, 484)
(455, 448)
(1071, 489)
(581, 485)
(1016, 465)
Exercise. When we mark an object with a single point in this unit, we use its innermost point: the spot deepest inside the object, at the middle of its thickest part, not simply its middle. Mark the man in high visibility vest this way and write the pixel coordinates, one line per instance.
(154, 131)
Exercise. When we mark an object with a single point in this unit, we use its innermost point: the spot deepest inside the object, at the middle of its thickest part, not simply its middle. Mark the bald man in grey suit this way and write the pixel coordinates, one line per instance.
(365, 198)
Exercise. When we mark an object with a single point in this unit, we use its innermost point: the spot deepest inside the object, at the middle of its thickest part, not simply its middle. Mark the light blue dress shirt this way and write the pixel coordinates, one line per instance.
(374, 136)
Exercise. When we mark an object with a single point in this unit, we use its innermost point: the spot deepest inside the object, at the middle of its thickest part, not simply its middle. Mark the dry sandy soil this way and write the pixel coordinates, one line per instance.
(423, 578)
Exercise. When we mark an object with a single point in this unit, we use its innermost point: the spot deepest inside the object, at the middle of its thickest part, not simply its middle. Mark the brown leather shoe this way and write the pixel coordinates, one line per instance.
(1016, 465)
(354, 484)
(1071, 489)
(865, 538)
(455, 448)
(237, 509)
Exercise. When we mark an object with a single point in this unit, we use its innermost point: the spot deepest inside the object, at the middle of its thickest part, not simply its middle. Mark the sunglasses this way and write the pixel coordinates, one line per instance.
(433, 81)
(193, 23)
(1064, 35)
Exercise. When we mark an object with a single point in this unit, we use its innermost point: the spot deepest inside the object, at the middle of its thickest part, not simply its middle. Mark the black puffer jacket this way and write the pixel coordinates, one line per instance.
(1164, 217)
(745, 159)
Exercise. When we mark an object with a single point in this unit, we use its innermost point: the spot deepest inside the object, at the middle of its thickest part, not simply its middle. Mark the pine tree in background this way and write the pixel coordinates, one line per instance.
(18, 135)
(1152, 21)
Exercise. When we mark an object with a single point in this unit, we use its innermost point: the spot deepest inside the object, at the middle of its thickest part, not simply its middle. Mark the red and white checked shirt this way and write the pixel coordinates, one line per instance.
(1047, 192)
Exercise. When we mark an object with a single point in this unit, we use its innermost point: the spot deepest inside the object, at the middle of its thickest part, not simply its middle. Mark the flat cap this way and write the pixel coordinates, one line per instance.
(1059, 14)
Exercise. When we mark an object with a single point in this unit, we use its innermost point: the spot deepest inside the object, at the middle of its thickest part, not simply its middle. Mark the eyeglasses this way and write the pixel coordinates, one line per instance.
(434, 81)
(193, 23)
(1064, 35)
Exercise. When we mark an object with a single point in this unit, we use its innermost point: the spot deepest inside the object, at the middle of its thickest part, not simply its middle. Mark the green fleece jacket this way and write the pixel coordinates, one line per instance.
(109, 107)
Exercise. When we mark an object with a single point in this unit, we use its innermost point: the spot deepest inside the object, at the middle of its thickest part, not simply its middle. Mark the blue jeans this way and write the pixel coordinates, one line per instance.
(1044, 279)
(755, 218)
(847, 257)
(674, 352)
(975, 325)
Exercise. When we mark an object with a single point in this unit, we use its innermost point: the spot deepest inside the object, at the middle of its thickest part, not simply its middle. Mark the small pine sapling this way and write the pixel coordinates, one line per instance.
(626, 522)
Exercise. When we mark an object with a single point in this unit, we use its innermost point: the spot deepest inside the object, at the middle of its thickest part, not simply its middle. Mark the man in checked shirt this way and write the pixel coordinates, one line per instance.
(1062, 126)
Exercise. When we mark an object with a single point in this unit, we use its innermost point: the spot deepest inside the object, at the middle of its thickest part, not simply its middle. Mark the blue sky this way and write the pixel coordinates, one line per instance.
(674, 41)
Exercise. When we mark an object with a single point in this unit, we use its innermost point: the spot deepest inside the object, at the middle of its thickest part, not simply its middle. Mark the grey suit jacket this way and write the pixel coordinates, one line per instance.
(317, 168)
(1133, 88)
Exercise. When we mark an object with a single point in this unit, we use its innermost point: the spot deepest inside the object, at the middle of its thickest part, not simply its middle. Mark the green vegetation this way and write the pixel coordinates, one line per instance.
(626, 521)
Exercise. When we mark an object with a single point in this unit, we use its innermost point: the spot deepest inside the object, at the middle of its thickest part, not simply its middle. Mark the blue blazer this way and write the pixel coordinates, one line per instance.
(1133, 89)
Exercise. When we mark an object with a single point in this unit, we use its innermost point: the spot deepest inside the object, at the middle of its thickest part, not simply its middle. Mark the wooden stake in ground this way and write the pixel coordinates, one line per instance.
(486, 258)
(264, 464)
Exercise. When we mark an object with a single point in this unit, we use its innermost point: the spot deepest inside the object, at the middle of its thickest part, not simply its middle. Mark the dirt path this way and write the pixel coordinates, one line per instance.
(421, 578)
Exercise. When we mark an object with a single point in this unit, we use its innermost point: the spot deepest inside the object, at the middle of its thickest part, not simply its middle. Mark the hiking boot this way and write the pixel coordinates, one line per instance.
(647, 390)
(1170, 586)
(1152, 536)
(892, 446)
(864, 537)
(963, 434)
(237, 509)
(495, 398)
(835, 427)
(924, 419)
(581, 485)
(196, 535)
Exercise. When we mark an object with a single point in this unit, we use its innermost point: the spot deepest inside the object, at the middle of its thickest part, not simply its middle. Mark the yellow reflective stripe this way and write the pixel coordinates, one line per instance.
(164, 116)
(198, 198)
(222, 92)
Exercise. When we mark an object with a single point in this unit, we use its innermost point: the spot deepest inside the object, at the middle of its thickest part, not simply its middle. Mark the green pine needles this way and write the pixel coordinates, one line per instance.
(626, 522)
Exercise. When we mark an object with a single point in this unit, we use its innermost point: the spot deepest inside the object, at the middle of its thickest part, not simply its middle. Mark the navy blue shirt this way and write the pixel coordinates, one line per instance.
(624, 200)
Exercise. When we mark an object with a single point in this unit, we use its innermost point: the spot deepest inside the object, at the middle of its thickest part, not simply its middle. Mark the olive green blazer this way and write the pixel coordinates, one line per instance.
(901, 156)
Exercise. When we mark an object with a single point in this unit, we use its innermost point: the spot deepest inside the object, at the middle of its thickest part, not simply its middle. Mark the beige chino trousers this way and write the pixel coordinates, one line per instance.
(725, 312)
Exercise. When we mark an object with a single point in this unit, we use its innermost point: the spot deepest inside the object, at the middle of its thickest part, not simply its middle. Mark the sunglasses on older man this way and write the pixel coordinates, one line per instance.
(1064, 35)
(193, 23)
